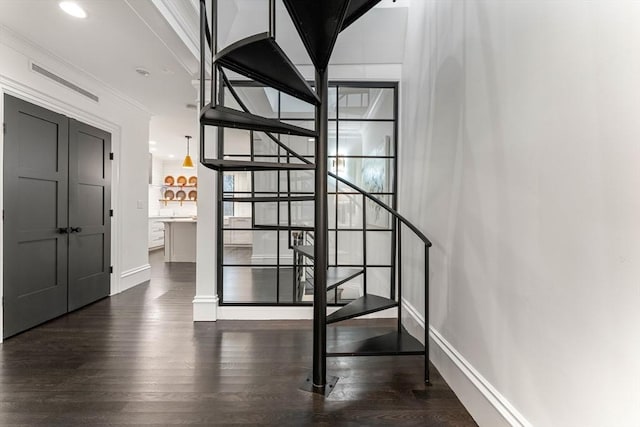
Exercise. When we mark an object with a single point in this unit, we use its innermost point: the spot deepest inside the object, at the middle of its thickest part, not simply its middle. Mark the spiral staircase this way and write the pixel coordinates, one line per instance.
(261, 59)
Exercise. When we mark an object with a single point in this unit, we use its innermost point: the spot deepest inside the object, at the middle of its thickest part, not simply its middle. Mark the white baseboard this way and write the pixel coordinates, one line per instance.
(483, 401)
(285, 313)
(229, 312)
(134, 276)
(205, 308)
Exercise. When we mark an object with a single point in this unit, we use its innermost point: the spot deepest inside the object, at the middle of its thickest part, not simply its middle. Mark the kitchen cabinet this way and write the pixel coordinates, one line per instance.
(156, 233)
(180, 240)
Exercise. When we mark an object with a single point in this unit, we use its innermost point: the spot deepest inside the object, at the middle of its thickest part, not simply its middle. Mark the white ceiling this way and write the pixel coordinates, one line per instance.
(376, 38)
(119, 36)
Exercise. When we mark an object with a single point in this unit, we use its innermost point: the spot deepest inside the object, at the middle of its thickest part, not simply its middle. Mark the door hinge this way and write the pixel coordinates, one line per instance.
(110, 156)
(3, 214)
(111, 269)
(110, 212)
(4, 127)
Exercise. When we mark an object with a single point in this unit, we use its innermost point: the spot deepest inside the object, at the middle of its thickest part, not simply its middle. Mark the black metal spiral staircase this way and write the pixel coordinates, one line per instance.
(260, 58)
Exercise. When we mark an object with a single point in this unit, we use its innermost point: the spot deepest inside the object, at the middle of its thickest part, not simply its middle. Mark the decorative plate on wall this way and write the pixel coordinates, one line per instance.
(193, 195)
(193, 180)
(181, 195)
(169, 195)
(182, 180)
(169, 180)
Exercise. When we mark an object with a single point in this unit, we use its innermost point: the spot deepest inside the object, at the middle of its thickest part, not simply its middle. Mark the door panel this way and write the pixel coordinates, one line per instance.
(35, 203)
(89, 204)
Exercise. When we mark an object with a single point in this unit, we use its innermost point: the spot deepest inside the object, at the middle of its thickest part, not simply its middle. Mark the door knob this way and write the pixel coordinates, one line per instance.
(63, 230)
(76, 229)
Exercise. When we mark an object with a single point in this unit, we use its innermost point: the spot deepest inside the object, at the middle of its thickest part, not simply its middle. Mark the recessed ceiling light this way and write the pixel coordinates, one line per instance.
(152, 143)
(171, 156)
(143, 72)
(73, 9)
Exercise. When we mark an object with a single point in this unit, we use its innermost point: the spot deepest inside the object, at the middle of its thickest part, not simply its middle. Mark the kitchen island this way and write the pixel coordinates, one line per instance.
(180, 239)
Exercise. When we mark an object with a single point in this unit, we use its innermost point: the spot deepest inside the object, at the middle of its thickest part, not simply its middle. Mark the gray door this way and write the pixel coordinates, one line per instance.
(89, 220)
(35, 215)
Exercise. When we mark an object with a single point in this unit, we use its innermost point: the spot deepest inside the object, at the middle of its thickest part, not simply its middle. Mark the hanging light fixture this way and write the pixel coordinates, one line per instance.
(187, 163)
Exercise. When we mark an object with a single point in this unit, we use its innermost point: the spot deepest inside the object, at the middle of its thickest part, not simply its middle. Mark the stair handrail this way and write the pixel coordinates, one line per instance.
(207, 31)
(368, 195)
(386, 207)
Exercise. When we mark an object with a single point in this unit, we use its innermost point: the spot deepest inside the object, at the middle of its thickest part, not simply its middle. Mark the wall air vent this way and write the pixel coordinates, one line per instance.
(38, 69)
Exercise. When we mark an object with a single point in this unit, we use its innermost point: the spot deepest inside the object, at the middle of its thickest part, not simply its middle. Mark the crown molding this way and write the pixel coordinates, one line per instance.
(182, 16)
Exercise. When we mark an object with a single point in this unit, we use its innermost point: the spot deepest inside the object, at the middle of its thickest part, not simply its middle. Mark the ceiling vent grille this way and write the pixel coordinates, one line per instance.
(38, 69)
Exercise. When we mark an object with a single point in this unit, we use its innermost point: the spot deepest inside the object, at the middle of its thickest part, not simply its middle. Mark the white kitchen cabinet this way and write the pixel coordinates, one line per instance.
(156, 233)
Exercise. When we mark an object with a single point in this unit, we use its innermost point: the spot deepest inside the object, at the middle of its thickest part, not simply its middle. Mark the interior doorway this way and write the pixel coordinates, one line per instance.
(57, 204)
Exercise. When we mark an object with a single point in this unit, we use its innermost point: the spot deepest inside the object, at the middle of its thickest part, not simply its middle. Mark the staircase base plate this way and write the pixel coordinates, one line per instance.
(307, 385)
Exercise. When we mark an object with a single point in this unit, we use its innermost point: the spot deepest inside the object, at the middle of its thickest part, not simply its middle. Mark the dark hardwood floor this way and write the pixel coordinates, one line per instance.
(254, 284)
(138, 359)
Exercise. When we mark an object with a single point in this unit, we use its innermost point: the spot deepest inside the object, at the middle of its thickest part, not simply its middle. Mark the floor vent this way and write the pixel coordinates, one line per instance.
(38, 69)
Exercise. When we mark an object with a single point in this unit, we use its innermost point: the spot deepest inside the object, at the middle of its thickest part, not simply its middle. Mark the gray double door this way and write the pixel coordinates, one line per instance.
(57, 227)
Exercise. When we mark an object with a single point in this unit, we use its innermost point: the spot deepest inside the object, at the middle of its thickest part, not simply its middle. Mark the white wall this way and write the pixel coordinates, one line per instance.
(520, 160)
(128, 124)
(155, 193)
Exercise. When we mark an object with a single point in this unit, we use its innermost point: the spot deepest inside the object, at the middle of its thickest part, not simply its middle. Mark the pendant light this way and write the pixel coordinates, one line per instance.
(187, 163)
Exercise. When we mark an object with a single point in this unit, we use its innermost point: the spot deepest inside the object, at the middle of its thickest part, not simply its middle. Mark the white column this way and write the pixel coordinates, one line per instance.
(205, 302)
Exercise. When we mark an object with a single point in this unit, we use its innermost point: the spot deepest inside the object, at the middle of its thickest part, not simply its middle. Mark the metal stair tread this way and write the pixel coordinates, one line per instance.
(262, 199)
(285, 227)
(243, 165)
(260, 58)
(306, 293)
(364, 305)
(337, 276)
(357, 8)
(230, 118)
(391, 344)
(318, 24)
(306, 250)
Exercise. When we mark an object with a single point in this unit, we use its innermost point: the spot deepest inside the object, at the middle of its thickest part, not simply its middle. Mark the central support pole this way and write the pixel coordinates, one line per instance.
(321, 237)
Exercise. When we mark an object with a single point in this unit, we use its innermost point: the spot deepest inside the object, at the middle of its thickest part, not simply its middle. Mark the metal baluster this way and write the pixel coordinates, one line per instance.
(214, 50)
(220, 193)
(272, 18)
(399, 275)
(426, 315)
(364, 243)
(203, 44)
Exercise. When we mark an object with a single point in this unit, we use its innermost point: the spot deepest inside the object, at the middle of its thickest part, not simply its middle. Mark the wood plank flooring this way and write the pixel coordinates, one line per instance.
(138, 359)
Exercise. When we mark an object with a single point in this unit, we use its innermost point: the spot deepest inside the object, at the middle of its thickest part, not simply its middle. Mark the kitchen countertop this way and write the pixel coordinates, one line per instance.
(180, 220)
